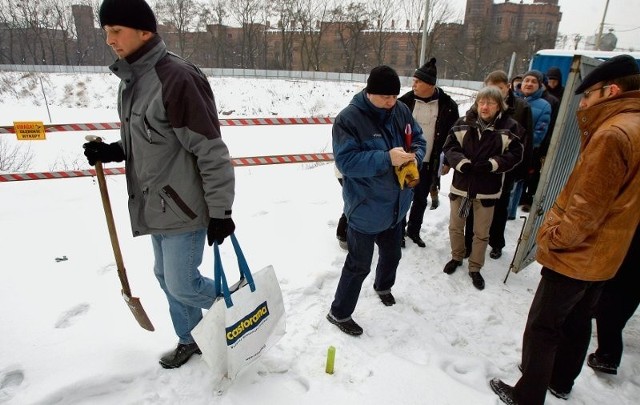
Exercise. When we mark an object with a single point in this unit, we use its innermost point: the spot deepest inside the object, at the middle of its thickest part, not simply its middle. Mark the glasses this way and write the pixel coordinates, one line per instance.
(487, 103)
(587, 93)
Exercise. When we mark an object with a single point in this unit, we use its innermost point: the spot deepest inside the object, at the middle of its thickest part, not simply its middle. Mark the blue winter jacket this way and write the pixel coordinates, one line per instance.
(362, 137)
(541, 114)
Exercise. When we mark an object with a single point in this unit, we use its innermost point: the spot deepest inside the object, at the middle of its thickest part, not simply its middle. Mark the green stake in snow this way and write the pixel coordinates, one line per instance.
(331, 357)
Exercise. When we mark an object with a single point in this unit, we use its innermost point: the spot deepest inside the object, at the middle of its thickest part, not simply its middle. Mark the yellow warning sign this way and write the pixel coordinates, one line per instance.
(29, 130)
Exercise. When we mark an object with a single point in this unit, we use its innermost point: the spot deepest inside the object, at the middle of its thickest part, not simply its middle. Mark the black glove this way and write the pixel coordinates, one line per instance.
(219, 229)
(466, 168)
(483, 166)
(103, 152)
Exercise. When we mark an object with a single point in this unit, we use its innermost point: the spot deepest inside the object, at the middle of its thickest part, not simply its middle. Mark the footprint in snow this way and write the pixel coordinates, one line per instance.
(71, 316)
(9, 383)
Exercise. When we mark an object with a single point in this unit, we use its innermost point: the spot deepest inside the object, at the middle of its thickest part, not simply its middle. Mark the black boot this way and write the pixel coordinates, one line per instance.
(416, 239)
(504, 391)
(179, 355)
(387, 299)
(601, 364)
(450, 267)
(476, 278)
(495, 253)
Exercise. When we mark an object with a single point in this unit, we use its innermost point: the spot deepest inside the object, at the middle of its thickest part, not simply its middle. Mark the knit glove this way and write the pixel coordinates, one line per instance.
(103, 152)
(219, 229)
(407, 174)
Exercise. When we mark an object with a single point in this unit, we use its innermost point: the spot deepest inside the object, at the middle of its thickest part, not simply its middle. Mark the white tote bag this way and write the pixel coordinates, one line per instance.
(246, 321)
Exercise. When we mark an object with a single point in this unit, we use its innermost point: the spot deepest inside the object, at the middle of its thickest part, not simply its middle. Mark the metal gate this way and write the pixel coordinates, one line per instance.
(559, 162)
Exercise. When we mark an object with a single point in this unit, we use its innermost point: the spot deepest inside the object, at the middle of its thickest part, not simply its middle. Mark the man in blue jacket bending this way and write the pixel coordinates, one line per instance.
(377, 146)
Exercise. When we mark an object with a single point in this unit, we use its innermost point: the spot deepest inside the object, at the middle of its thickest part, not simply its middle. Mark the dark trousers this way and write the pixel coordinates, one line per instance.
(618, 302)
(357, 266)
(557, 335)
(499, 221)
(419, 204)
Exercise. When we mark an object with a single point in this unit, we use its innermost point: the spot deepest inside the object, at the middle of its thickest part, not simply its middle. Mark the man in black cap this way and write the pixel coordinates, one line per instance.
(436, 112)
(180, 179)
(585, 235)
(377, 146)
(554, 82)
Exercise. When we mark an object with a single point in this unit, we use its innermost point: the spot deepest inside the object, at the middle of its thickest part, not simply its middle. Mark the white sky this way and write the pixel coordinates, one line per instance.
(584, 17)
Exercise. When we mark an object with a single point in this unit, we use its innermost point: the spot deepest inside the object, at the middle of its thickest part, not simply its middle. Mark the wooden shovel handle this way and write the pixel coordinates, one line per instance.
(106, 203)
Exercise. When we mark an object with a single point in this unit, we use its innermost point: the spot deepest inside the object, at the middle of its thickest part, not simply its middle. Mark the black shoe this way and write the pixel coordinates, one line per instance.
(601, 365)
(503, 391)
(179, 355)
(526, 208)
(387, 299)
(558, 393)
(434, 204)
(416, 239)
(495, 253)
(467, 253)
(450, 267)
(348, 326)
(476, 278)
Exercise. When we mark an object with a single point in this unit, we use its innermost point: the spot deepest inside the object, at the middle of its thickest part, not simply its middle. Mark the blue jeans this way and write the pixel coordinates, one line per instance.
(514, 201)
(177, 258)
(357, 266)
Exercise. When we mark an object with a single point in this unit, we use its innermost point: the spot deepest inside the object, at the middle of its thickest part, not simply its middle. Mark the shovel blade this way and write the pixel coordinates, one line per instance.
(138, 312)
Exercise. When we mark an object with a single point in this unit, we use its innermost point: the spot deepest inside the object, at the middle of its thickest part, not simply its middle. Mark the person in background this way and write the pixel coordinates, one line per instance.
(370, 151)
(554, 82)
(515, 82)
(618, 302)
(519, 110)
(585, 235)
(180, 179)
(481, 147)
(531, 90)
(436, 112)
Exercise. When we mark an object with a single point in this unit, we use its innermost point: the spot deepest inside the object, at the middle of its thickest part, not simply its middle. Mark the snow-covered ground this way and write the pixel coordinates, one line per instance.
(68, 337)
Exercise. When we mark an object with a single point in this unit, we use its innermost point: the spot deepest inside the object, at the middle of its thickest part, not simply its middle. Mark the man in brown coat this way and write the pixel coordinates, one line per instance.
(585, 235)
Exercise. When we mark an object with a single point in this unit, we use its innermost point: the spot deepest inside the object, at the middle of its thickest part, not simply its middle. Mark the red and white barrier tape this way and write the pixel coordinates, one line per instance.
(242, 161)
(7, 129)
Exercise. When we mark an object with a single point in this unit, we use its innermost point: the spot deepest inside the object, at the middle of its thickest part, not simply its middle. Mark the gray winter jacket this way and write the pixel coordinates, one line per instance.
(178, 169)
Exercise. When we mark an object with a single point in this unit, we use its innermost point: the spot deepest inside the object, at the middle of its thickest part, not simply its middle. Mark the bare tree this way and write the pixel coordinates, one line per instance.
(286, 13)
(440, 11)
(14, 158)
(350, 23)
(248, 14)
(181, 15)
(382, 14)
(222, 46)
(311, 16)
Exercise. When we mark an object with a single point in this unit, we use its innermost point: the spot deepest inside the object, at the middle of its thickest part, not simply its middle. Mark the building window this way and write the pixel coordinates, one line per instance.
(499, 21)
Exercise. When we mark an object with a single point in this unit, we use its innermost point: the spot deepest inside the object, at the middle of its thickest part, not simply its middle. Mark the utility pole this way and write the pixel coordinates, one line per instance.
(425, 24)
(599, 38)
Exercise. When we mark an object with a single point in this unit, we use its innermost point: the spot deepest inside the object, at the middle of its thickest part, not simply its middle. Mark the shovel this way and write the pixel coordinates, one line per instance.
(133, 303)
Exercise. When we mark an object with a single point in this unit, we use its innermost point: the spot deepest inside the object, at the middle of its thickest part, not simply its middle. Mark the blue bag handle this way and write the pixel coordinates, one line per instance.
(220, 279)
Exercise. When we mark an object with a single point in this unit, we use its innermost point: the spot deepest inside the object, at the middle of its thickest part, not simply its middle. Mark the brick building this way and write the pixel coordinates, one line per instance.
(491, 32)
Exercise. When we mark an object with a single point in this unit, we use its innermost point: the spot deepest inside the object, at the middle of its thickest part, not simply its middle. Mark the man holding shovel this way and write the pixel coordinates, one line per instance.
(180, 179)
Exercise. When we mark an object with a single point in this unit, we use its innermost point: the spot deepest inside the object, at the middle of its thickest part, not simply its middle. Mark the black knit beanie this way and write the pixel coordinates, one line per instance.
(428, 72)
(383, 80)
(128, 13)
